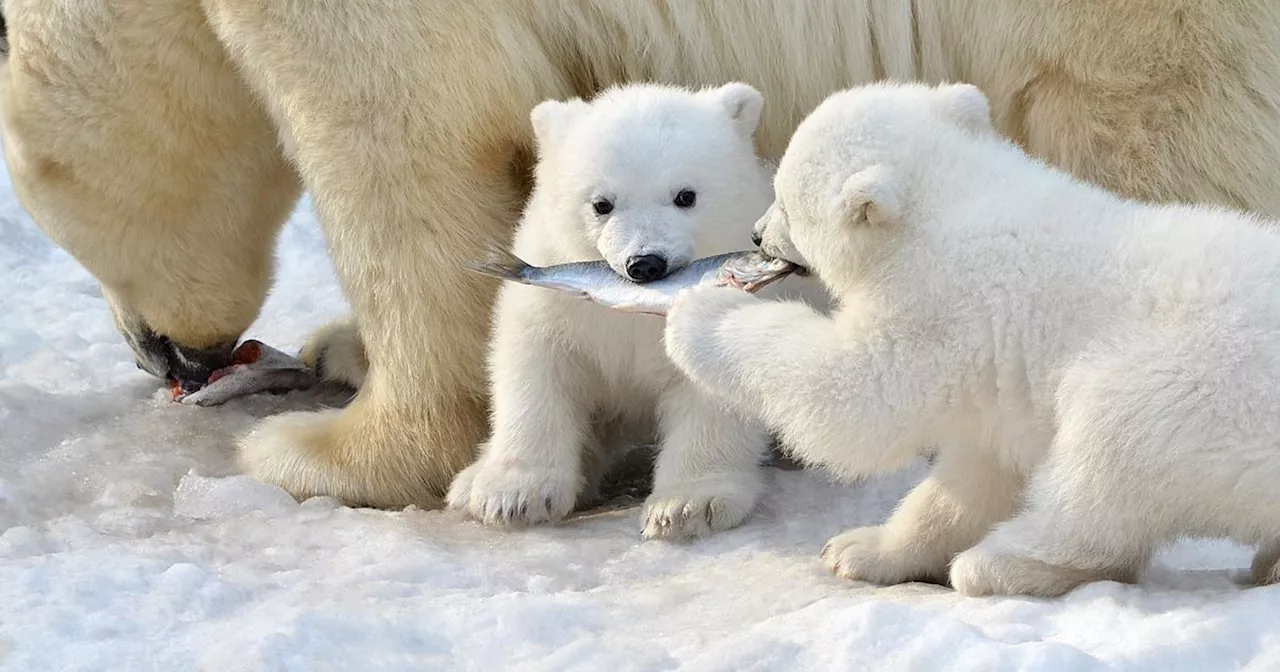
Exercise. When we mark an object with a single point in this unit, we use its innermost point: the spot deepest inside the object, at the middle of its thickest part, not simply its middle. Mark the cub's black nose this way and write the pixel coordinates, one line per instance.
(646, 267)
(756, 238)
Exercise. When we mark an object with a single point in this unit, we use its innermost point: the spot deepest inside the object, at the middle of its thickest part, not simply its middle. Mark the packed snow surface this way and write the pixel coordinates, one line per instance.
(128, 541)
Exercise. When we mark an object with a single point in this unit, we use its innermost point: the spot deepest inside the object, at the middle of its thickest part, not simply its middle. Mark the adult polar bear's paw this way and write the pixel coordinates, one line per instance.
(336, 353)
(863, 554)
(354, 455)
(696, 509)
(505, 492)
(294, 451)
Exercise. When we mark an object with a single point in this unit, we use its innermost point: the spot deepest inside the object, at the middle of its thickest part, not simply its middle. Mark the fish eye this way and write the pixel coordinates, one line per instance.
(602, 206)
(685, 199)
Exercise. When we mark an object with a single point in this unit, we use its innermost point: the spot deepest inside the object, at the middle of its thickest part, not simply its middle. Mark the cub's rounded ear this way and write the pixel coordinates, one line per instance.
(743, 103)
(552, 119)
(966, 105)
(870, 197)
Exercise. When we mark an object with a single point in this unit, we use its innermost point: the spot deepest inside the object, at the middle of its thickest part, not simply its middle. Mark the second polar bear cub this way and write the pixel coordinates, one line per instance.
(648, 178)
(1100, 376)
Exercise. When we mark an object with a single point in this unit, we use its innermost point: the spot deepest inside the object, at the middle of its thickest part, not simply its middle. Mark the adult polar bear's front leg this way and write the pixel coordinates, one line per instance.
(407, 189)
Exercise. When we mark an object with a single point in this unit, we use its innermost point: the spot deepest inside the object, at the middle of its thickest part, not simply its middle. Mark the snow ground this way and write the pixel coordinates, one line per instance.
(127, 541)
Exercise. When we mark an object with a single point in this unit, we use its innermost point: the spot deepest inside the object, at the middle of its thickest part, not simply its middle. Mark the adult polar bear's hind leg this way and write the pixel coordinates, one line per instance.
(1266, 564)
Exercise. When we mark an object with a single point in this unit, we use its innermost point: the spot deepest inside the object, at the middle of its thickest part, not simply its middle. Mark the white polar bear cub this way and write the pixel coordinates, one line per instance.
(648, 178)
(1100, 376)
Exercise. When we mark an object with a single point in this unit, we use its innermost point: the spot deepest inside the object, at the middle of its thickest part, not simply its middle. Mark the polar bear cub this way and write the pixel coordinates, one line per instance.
(1100, 376)
(648, 178)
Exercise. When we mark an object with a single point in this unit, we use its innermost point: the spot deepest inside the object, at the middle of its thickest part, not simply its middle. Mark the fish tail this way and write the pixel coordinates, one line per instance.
(500, 263)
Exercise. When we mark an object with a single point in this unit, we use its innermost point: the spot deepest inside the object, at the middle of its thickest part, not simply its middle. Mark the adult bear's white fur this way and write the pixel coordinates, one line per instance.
(574, 382)
(1101, 374)
(150, 140)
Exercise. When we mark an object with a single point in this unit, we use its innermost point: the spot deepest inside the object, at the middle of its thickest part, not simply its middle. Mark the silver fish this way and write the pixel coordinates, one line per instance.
(596, 281)
(257, 367)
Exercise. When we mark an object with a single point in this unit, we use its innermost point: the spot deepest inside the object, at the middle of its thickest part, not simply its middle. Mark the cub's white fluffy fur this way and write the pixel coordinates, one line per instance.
(571, 381)
(1100, 375)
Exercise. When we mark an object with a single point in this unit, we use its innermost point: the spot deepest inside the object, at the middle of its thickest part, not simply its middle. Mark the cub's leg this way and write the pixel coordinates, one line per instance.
(708, 475)
(1118, 478)
(532, 468)
(945, 514)
(1071, 533)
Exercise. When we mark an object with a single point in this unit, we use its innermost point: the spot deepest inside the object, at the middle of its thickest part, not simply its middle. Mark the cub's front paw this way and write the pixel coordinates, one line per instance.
(864, 554)
(505, 492)
(697, 509)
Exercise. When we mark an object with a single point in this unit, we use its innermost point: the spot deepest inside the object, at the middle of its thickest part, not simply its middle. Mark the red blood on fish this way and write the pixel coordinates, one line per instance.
(175, 387)
(247, 353)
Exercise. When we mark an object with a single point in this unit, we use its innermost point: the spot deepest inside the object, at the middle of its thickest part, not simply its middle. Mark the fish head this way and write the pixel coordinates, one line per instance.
(773, 231)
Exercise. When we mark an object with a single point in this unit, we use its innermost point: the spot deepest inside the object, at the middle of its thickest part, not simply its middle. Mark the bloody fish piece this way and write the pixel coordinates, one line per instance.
(256, 367)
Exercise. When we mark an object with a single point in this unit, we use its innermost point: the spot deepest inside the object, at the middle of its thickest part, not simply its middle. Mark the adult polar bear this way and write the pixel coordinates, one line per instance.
(163, 144)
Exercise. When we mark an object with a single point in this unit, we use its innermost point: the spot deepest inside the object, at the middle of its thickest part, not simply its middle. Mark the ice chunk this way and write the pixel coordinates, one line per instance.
(205, 498)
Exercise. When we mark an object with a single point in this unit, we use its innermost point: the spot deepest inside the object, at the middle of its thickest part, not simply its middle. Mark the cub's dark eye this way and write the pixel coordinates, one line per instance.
(602, 207)
(685, 199)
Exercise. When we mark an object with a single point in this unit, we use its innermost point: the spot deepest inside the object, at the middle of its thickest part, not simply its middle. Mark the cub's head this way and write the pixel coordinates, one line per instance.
(650, 177)
(844, 185)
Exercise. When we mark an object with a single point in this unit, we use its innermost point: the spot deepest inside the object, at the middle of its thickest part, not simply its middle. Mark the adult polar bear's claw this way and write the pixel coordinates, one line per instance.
(409, 125)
